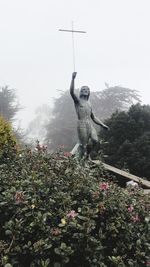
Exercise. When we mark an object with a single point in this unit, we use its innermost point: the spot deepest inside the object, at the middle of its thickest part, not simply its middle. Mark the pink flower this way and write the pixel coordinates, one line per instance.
(56, 157)
(67, 154)
(71, 214)
(148, 263)
(130, 209)
(18, 196)
(38, 147)
(134, 218)
(103, 186)
(44, 147)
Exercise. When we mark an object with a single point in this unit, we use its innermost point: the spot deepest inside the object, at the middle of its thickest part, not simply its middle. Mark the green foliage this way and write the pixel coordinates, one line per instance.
(7, 139)
(129, 140)
(62, 127)
(8, 103)
(56, 212)
(9, 108)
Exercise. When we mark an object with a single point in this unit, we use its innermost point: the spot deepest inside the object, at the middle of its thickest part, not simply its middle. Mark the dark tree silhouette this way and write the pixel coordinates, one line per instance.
(128, 141)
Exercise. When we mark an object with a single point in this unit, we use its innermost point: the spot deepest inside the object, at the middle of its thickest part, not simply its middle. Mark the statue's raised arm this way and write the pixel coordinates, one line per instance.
(75, 98)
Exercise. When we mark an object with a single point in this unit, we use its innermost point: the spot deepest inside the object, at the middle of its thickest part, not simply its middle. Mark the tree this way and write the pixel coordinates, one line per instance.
(37, 127)
(129, 140)
(9, 108)
(8, 103)
(114, 98)
(7, 140)
(62, 128)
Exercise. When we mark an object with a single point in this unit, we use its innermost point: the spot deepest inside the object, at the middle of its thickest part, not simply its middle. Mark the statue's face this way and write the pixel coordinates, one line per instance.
(85, 91)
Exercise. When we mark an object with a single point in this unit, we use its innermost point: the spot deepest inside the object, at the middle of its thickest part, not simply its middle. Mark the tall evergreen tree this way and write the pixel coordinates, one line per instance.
(37, 127)
(8, 103)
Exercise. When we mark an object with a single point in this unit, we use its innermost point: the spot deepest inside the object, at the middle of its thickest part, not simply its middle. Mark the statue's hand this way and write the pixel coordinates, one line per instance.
(106, 127)
(74, 75)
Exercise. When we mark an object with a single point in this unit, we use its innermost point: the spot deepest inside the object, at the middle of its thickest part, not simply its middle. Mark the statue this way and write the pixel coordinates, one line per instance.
(86, 132)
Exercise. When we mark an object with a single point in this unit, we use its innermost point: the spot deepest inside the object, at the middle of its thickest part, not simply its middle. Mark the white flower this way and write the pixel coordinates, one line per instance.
(147, 219)
(132, 183)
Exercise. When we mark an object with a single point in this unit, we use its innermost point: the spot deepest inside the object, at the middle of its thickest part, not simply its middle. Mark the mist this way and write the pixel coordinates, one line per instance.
(36, 59)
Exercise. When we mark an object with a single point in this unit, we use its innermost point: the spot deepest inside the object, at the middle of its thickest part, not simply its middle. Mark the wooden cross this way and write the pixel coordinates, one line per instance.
(73, 47)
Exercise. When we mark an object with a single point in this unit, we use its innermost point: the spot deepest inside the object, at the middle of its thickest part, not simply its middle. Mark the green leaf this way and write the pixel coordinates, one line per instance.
(8, 232)
(57, 264)
(83, 218)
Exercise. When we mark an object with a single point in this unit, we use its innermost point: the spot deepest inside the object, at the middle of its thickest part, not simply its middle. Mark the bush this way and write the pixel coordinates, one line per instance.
(127, 144)
(7, 140)
(56, 212)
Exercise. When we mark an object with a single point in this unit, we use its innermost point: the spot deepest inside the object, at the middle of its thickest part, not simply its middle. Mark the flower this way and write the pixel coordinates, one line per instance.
(130, 209)
(71, 214)
(148, 263)
(16, 147)
(44, 147)
(103, 186)
(132, 183)
(134, 218)
(61, 146)
(63, 221)
(101, 207)
(38, 146)
(32, 206)
(18, 196)
(67, 154)
(55, 231)
(56, 157)
(95, 195)
(147, 219)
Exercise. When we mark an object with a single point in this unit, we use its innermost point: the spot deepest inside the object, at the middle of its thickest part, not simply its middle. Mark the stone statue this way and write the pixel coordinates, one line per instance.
(86, 132)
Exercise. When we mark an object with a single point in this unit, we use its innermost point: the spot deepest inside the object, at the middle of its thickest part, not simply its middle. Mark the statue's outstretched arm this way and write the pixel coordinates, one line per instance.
(75, 98)
(98, 122)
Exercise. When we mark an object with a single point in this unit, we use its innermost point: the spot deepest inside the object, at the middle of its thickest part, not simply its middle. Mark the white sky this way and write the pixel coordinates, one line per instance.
(36, 59)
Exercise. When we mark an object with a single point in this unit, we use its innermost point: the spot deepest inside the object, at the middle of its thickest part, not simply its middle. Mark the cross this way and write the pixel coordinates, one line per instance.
(73, 47)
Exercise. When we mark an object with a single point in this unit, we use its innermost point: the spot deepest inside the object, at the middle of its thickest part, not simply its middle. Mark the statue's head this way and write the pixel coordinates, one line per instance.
(85, 92)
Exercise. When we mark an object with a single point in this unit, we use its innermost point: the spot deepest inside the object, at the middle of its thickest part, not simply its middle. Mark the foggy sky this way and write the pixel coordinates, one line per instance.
(36, 59)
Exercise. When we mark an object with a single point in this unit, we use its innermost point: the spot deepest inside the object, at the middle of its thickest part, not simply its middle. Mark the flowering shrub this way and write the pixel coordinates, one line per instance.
(56, 212)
